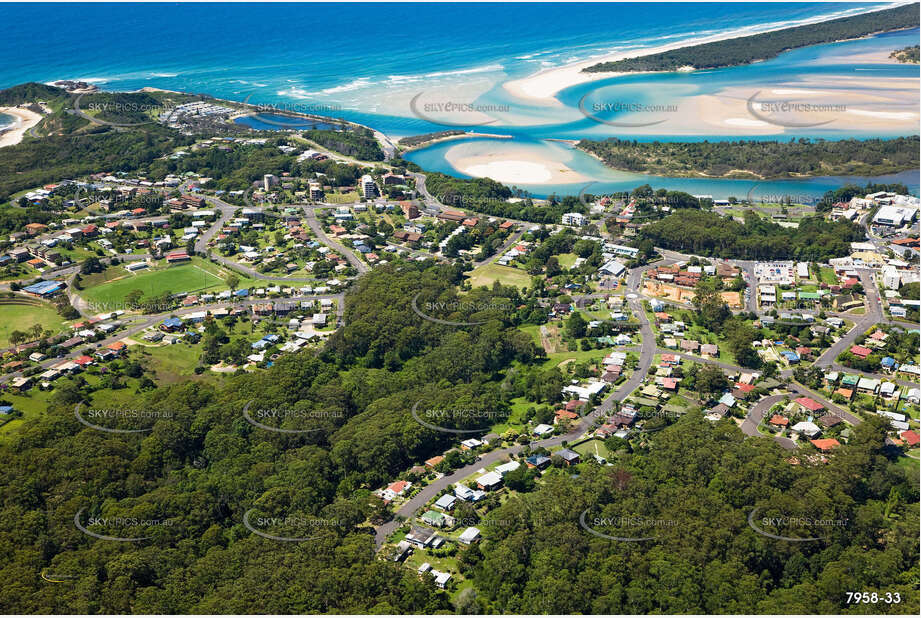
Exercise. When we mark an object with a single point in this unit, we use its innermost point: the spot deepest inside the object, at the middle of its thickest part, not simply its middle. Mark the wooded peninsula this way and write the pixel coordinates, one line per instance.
(767, 45)
(757, 159)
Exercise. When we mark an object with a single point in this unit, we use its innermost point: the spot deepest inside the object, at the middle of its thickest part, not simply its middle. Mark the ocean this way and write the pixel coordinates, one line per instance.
(365, 61)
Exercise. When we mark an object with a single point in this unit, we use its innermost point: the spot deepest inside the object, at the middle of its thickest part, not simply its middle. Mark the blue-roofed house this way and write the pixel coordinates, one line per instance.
(538, 461)
(261, 344)
(888, 362)
(728, 400)
(6, 410)
(271, 338)
(791, 356)
(171, 325)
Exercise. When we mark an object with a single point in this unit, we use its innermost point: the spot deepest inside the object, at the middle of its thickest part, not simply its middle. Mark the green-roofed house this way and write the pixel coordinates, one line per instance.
(434, 518)
(849, 381)
(809, 296)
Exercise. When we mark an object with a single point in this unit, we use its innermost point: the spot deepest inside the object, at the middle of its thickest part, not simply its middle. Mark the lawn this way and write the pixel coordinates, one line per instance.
(506, 275)
(827, 275)
(911, 463)
(342, 198)
(593, 447)
(196, 276)
(23, 317)
(566, 260)
(515, 420)
(32, 404)
(534, 331)
(172, 363)
(557, 359)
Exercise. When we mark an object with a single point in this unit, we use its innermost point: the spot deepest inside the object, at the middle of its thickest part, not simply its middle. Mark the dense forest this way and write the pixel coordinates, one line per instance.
(352, 142)
(488, 196)
(692, 492)
(202, 467)
(761, 159)
(706, 233)
(747, 49)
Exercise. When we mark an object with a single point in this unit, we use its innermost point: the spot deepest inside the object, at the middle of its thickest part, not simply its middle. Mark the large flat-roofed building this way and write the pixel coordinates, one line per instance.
(573, 218)
(896, 216)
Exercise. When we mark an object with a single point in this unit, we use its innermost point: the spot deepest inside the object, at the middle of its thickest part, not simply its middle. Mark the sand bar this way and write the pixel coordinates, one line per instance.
(542, 87)
(513, 166)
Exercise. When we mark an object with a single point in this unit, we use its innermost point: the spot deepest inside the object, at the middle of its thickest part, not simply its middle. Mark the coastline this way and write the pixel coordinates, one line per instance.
(25, 120)
(542, 87)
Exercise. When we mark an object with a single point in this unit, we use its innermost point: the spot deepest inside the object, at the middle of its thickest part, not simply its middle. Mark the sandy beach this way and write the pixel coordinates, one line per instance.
(25, 120)
(513, 166)
(541, 87)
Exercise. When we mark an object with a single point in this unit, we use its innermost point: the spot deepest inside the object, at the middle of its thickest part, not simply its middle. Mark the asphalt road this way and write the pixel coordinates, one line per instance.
(317, 228)
(873, 316)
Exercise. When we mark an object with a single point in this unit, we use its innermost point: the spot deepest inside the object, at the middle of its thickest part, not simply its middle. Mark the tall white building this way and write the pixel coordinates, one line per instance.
(368, 188)
(268, 181)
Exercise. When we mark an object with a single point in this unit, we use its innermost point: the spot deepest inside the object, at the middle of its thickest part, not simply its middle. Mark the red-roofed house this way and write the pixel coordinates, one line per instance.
(434, 461)
(911, 437)
(745, 388)
(398, 487)
(566, 414)
(118, 346)
(810, 404)
(862, 352)
(573, 404)
(825, 444)
(670, 384)
(83, 361)
(780, 421)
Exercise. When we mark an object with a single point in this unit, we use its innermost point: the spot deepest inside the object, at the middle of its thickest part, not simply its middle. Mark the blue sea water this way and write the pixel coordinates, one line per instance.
(355, 58)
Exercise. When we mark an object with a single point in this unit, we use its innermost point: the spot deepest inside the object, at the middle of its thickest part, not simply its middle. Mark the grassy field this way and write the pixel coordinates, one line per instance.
(196, 276)
(342, 198)
(22, 317)
(505, 275)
